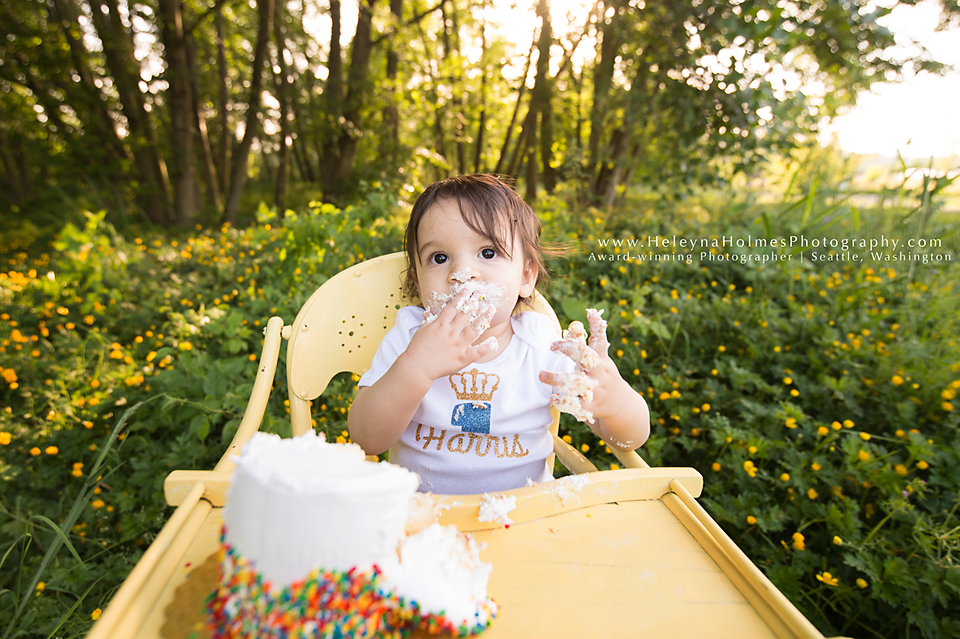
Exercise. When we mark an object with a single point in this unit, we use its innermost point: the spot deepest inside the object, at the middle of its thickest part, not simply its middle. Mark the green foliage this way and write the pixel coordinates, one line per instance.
(93, 323)
(818, 399)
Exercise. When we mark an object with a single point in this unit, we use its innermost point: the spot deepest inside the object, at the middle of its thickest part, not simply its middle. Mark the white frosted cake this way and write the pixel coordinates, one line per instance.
(317, 541)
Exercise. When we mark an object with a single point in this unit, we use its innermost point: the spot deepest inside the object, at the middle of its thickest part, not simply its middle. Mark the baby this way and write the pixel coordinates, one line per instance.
(460, 388)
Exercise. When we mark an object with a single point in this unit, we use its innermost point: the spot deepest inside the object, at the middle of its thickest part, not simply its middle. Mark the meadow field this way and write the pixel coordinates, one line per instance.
(802, 354)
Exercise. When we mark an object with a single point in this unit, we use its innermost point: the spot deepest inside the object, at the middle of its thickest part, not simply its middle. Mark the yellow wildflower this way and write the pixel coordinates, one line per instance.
(751, 520)
(51, 450)
(5, 438)
(896, 380)
(828, 579)
(96, 614)
(812, 494)
(862, 583)
(863, 455)
(798, 541)
(837, 541)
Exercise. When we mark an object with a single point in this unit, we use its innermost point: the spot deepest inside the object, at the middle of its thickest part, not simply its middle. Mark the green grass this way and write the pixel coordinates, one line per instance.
(818, 399)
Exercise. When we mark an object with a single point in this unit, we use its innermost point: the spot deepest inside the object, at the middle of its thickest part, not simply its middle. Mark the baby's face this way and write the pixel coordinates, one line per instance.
(450, 252)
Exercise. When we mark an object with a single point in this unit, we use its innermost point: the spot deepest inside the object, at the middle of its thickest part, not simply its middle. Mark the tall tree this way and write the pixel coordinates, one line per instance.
(283, 97)
(181, 110)
(118, 49)
(238, 172)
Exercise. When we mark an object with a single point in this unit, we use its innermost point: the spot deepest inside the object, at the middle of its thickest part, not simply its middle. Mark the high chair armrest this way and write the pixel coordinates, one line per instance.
(629, 458)
(253, 415)
(571, 458)
(577, 464)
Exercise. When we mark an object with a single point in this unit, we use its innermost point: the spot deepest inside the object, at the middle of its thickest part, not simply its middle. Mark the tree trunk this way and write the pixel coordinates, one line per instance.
(283, 96)
(180, 106)
(226, 133)
(391, 116)
(481, 120)
(200, 122)
(543, 96)
(301, 146)
(332, 102)
(348, 129)
(531, 138)
(103, 125)
(602, 81)
(457, 85)
(238, 174)
(513, 118)
(10, 169)
(117, 43)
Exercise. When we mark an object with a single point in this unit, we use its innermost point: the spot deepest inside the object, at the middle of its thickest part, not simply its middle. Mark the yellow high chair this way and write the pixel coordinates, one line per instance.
(619, 553)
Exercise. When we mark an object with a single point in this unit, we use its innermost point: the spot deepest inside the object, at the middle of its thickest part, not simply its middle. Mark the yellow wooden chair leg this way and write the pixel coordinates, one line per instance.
(253, 415)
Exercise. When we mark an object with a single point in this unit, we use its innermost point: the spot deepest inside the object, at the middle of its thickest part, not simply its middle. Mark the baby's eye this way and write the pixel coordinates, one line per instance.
(488, 253)
(438, 258)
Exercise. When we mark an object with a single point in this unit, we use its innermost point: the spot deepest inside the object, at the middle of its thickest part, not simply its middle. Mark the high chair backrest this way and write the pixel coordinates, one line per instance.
(339, 328)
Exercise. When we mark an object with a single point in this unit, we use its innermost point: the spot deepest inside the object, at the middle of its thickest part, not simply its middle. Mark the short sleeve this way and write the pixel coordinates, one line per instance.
(395, 342)
(538, 331)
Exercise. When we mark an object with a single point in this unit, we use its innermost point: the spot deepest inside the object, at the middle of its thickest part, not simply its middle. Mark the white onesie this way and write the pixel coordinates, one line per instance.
(485, 428)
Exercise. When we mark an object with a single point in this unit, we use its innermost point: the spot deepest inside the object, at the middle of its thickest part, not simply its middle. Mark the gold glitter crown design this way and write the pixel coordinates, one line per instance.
(465, 385)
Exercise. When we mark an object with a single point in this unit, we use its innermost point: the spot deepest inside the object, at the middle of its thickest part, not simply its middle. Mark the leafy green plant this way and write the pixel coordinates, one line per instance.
(817, 398)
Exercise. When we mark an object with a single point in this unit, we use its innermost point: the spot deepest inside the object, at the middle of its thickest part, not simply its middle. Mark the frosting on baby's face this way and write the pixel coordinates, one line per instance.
(480, 301)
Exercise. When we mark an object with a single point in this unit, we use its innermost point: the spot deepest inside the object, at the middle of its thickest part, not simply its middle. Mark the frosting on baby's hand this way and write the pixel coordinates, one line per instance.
(577, 387)
(480, 302)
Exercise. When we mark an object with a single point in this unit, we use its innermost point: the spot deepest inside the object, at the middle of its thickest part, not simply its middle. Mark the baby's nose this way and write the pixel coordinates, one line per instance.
(464, 276)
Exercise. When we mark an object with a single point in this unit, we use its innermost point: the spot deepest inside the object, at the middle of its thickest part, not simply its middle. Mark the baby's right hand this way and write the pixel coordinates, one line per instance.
(445, 345)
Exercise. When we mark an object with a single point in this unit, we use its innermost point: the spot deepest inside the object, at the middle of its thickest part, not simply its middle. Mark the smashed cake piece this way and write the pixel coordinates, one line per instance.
(423, 512)
(575, 389)
(480, 302)
(495, 508)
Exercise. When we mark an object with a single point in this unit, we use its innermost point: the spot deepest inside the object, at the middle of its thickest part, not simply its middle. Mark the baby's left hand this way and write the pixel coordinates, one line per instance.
(588, 392)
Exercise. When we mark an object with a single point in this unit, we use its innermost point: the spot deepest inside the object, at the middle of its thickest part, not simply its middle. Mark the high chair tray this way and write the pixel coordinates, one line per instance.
(624, 553)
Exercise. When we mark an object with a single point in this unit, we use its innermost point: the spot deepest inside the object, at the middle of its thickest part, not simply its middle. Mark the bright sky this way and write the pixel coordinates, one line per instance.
(918, 116)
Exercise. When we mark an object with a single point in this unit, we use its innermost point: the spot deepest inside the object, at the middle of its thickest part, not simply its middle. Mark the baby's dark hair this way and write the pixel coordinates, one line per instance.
(489, 207)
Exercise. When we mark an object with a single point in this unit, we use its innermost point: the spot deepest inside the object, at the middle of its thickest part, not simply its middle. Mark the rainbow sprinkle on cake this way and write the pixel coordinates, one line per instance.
(326, 604)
